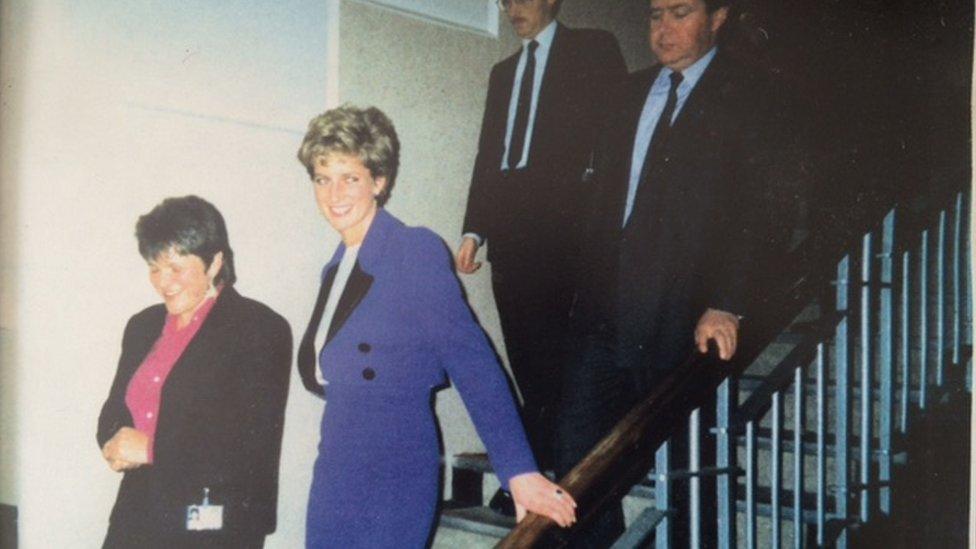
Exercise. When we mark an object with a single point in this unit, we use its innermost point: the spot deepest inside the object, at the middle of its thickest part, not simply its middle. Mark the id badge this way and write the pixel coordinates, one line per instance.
(205, 516)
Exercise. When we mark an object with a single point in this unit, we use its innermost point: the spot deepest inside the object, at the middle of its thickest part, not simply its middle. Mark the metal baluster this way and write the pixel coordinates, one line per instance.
(776, 468)
(886, 359)
(956, 284)
(923, 319)
(940, 300)
(694, 482)
(798, 416)
(906, 342)
(821, 445)
(842, 397)
(967, 296)
(750, 485)
(866, 344)
(662, 496)
(967, 249)
(725, 485)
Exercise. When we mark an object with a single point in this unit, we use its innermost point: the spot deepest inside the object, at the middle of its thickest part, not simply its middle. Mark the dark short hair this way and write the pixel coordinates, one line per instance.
(366, 133)
(556, 8)
(712, 5)
(190, 225)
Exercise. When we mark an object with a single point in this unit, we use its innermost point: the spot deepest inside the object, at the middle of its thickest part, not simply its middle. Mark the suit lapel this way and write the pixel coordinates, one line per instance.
(551, 83)
(306, 351)
(628, 122)
(195, 367)
(632, 116)
(356, 289)
(217, 320)
(693, 110)
(502, 97)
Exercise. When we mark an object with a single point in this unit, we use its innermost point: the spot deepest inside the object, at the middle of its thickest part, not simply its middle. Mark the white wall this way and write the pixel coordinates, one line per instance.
(113, 106)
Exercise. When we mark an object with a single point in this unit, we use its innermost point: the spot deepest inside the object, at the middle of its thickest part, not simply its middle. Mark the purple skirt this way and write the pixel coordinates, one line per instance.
(377, 476)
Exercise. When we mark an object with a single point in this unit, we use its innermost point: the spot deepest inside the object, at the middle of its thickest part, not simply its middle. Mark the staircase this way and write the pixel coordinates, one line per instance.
(892, 322)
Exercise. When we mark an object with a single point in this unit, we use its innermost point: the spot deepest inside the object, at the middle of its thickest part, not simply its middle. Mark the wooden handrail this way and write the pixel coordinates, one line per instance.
(626, 455)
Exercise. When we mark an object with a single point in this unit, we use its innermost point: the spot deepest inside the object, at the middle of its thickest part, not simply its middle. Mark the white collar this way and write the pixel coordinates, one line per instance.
(544, 38)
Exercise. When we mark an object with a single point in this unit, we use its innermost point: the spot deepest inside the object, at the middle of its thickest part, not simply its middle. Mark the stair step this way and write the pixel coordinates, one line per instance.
(477, 462)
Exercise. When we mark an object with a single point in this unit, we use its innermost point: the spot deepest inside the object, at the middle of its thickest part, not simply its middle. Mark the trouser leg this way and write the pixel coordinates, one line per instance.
(596, 394)
(533, 316)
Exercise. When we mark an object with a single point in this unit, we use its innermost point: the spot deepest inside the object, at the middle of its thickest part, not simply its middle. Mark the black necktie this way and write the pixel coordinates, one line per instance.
(522, 110)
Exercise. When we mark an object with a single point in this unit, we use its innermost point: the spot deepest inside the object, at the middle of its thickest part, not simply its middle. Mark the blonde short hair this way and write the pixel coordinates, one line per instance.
(367, 133)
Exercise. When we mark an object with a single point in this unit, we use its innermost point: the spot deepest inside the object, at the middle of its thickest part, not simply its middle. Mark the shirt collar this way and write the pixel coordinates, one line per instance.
(693, 73)
(544, 38)
(371, 249)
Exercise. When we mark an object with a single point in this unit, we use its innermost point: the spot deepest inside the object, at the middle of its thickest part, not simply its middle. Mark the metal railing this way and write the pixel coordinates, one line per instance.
(891, 334)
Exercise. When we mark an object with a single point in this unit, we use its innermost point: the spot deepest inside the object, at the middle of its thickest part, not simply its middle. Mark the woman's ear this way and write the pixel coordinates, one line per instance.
(379, 186)
(216, 264)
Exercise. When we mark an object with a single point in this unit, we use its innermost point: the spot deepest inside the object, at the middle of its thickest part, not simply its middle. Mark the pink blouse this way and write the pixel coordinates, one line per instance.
(145, 389)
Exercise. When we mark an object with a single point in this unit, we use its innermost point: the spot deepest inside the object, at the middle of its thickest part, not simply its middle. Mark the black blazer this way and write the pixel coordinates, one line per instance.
(705, 227)
(220, 419)
(583, 66)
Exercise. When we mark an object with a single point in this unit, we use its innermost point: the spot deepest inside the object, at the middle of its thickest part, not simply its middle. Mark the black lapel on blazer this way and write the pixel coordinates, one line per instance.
(700, 98)
(356, 288)
(632, 114)
(628, 121)
(557, 66)
(499, 118)
(219, 319)
(195, 365)
(148, 338)
(306, 351)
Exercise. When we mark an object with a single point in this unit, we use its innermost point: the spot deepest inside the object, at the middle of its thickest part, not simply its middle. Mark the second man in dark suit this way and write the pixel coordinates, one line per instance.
(693, 189)
(543, 106)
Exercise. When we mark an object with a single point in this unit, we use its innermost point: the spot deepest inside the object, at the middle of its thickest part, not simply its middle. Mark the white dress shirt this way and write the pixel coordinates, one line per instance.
(544, 38)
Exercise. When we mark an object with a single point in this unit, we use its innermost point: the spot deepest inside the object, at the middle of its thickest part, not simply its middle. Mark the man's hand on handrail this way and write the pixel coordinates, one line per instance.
(721, 326)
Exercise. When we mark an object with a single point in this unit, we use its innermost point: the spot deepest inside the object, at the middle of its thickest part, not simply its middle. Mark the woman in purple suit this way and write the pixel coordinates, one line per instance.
(389, 325)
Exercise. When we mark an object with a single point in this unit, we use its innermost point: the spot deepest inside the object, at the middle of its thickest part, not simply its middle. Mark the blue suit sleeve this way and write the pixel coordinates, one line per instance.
(466, 354)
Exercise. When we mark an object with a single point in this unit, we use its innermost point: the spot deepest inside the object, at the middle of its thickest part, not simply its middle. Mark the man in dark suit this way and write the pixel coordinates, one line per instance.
(683, 221)
(526, 198)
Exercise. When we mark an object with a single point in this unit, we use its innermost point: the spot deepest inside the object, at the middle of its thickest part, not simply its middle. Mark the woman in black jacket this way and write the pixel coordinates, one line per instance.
(194, 416)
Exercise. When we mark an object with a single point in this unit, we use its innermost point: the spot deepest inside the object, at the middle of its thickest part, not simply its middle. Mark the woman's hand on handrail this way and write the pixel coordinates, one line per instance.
(534, 492)
(127, 449)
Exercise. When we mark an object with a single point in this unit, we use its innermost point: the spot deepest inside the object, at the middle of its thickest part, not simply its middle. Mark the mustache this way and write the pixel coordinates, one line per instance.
(515, 20)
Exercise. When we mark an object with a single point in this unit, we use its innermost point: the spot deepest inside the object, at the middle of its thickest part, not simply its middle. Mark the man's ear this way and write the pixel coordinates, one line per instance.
(718, 18)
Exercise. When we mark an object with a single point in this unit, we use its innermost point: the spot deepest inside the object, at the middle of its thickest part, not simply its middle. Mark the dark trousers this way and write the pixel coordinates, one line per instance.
(533, 302)
(596, 394)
